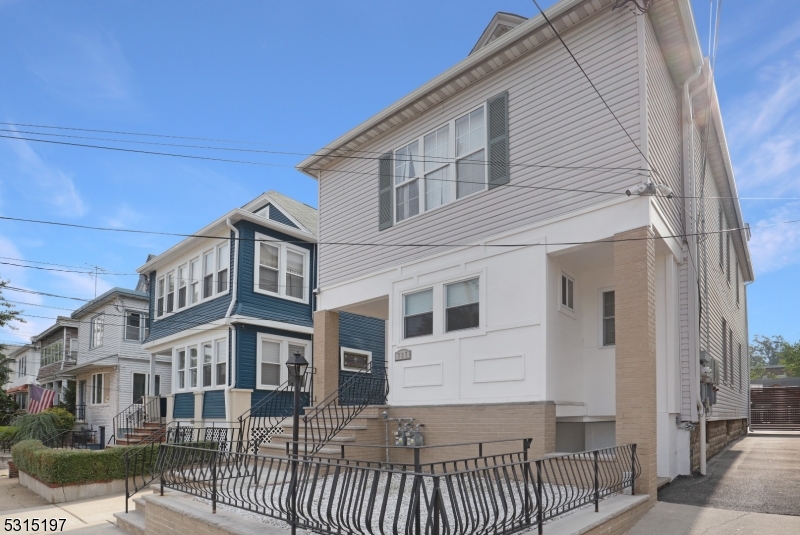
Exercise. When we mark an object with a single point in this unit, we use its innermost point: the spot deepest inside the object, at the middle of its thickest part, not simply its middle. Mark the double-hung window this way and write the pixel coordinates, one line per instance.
(609, 332)
(268, 267)
(181, 368)
(567, 292)
(470, 153)
(160, 297)
(208, 362)
(193, 367)
(134, 326)
(463, 305)
(96, 331)
(406, 180)
(221, 350)
(170, 292)
(281, 269)
(270, 363)
(182, 286)
(438, 184)
(418, 313)
(223, 261)
(194, 281)
(22, 366)
(97, 388)
(208, 274)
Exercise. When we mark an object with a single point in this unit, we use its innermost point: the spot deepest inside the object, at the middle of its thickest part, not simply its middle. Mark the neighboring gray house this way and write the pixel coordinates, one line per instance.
(113, 369)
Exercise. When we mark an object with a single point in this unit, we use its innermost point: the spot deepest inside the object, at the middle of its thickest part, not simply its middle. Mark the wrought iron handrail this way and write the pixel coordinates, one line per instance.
(135, 416)
(369, 386)
(263, 420)
(500, 494)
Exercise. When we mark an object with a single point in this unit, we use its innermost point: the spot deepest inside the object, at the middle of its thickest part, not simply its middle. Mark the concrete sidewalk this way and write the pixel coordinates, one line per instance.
(92, 516)
(675, 519)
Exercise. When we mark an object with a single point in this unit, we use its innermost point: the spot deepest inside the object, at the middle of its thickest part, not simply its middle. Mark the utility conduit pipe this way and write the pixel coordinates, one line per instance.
(701, 411)
(234, 292)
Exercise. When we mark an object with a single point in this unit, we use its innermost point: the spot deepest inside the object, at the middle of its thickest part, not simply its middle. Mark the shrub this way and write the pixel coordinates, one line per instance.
(37, 426)
(64, 467)
(66, 420)
(8, 437)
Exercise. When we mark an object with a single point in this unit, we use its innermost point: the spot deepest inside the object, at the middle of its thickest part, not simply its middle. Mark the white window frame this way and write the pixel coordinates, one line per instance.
(182, 283)
(93, 335)
(202, 365)
(213, 273)
(451, 163)
(197, 367)
(404, 315)
(161, 293)
(102, 391)
(364, 352)
(178, 369)
(142, 325)
(217, 362)
(283, 249)
(284, 356)
(22, 366)
(601, 317)
(195, 281)
(222, 265)
(564, 307)
(445, 308)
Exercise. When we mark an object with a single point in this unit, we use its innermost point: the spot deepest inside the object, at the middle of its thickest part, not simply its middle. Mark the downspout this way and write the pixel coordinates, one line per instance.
(690, 218)
(234, 294)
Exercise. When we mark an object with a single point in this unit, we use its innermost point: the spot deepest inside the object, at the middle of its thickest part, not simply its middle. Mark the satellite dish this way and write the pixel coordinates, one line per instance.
(119, 304)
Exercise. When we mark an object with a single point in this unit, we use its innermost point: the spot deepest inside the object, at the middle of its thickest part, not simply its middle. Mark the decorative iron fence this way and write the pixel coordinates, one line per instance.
(505, 493)
(73, 439)
(141, 461)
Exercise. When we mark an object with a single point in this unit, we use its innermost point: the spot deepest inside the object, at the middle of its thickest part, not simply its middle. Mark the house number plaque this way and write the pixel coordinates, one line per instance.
(402, 354)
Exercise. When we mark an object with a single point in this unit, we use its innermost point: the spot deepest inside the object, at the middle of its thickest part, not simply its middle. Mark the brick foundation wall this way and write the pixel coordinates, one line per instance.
(451, 424)
(719, 433)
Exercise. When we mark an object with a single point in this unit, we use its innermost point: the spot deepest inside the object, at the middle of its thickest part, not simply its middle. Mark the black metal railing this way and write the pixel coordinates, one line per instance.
(140, 460)
(265, 419)
(80, 412)
(505, 493)
(146, 411)
(72, 439)
(367, 387)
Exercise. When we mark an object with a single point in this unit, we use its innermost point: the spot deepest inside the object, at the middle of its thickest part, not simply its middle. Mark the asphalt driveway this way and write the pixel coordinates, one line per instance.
(760, 473)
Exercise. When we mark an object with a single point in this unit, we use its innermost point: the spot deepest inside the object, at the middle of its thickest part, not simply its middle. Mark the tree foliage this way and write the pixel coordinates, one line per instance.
(8, 315)
(767, 349)
(790, 358)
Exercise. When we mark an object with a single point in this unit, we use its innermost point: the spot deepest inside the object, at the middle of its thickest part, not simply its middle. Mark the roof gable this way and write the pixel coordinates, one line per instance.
(500, 24)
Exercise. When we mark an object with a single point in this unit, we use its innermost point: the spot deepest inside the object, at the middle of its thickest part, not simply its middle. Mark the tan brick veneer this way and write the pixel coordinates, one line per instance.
(452, 424)
(326, 354)
(635, 310)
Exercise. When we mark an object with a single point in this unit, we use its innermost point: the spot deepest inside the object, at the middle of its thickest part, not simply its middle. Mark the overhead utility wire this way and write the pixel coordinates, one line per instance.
(553, 28)
(371, 244)
(632, 170)
(434, 159)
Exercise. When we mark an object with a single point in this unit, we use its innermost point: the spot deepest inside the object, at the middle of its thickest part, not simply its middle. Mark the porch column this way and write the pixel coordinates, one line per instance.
(635, 312)
(326, 354)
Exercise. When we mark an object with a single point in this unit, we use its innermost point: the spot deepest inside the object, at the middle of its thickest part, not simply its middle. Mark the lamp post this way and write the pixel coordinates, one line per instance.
(297, 366)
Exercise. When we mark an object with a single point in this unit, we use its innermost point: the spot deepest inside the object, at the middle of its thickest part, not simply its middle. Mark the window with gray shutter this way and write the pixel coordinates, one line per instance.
(498, 140)
(385, 192)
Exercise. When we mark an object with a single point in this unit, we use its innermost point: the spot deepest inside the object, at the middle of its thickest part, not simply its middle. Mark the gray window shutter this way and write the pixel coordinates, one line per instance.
(385, 191)
(498, 140)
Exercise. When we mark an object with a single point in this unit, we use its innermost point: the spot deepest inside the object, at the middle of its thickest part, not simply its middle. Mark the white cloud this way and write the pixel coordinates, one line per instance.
(777, 246)
(81, 285)
(88, 68)
(125, 217)
(49, 183)
(18, 277)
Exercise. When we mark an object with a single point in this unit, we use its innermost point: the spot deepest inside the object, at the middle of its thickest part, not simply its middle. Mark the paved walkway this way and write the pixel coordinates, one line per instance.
(92, 516)
(674, 519)
(760, 473)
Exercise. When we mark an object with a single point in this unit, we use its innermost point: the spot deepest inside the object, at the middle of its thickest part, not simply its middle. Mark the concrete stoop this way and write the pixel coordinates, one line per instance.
(176, 513)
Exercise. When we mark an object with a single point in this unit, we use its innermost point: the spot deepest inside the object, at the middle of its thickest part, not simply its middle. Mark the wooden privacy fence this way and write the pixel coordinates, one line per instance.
(775, 407)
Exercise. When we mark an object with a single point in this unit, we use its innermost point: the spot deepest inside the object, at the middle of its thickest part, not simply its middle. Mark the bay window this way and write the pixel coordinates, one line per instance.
(181, 368)
(221, 351)
(208, 357)
(193, 367)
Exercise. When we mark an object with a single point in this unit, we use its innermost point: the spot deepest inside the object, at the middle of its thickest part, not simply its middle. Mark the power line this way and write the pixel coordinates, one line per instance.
(362, 244)
(24, 290)
(553, 28)
(38, 305)
(636, 171)
(39, 262)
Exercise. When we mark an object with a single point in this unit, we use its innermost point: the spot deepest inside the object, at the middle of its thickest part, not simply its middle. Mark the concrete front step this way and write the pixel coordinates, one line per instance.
(132, 522)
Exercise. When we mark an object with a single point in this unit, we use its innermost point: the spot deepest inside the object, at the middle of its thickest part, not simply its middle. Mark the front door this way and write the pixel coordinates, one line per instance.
(139, 386)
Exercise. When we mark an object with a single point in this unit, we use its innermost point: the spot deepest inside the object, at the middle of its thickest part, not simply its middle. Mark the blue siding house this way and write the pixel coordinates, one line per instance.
(230, 304)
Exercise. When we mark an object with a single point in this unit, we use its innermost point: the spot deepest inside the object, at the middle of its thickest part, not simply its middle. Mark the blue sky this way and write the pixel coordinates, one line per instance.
(292, 76)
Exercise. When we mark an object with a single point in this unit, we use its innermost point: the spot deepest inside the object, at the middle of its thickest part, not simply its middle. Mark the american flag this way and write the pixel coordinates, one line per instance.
(39, 399)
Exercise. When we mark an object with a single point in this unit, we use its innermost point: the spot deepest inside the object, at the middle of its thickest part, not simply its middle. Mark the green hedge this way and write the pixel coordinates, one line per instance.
(64, 467)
